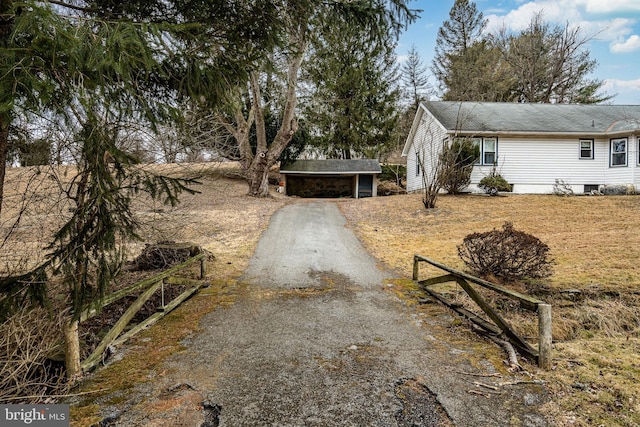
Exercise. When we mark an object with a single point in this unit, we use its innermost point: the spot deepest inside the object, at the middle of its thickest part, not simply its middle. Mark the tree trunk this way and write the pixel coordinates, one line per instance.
(4, 148)
(258, 172)
(258, 176)
(72, 352)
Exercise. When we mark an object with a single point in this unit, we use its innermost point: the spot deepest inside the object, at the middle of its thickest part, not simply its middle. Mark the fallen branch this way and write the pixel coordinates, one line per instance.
(487, 395)
(537, 382)
(478, 375)
(490, 387)
(514, 365)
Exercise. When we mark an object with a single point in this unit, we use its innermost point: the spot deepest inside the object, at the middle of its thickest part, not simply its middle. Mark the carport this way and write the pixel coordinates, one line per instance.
(331, 178)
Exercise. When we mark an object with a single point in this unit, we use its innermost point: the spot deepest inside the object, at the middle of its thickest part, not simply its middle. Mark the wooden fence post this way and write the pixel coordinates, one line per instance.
(203, 268)
(544, 336)
(416, 266)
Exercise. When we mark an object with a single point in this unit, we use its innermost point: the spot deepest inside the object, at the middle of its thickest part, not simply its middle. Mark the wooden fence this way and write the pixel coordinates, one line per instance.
(150, 286)
(542, 354)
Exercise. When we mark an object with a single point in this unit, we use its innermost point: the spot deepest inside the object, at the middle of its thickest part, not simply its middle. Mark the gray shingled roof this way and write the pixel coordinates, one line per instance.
(498, 117)
(332, 166)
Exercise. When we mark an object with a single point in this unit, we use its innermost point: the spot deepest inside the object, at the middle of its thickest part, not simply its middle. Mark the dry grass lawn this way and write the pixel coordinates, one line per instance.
(596, 246)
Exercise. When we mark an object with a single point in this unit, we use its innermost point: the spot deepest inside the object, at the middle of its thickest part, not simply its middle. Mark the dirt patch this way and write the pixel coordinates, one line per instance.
(418, 404)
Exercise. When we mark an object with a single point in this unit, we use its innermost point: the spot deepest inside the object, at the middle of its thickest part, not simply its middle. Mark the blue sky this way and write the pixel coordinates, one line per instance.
(613, 24)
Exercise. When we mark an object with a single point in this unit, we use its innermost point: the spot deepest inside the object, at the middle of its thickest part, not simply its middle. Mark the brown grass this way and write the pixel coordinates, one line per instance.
(594, 291)
(221, 218)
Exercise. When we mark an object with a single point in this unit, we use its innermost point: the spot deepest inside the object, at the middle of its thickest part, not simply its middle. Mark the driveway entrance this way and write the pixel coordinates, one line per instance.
(313, 339)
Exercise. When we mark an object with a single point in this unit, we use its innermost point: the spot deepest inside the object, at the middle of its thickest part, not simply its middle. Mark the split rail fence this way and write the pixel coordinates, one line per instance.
(542, 354)
(150, 286)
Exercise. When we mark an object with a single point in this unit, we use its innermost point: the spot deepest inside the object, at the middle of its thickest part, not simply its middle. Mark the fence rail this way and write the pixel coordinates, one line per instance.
(542, 354)
(150, 286)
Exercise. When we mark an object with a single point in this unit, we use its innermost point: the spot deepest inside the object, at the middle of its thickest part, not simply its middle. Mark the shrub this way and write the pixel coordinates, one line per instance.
(457, 163)
(493, 183)
(393, 173)
(506, 253)
(562, 188)
(28, 339)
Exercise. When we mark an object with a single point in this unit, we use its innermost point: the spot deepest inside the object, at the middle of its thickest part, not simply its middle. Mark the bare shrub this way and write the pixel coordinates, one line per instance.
(164, 254)
(508, 253)
(29, 339)
(562, 188)
(457, 163)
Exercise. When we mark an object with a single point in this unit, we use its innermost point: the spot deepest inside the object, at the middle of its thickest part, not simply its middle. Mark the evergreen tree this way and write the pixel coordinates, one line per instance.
(415, 79)
(94, 77)
(479, 74)
(352, 105)
(455, 37)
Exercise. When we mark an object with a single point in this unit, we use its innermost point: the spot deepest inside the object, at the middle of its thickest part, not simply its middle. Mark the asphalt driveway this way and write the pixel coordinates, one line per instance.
(314, 340)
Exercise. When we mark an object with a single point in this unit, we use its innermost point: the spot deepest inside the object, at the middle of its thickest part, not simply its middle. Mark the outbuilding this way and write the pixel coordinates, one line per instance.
(331, 178)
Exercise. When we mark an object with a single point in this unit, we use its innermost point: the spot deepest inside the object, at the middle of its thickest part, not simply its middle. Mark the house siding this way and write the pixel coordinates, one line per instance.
(427, 141)
(534, 157)
(533, 165)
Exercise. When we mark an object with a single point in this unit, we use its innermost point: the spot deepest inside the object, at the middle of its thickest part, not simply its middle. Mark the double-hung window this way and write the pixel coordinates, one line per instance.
(619, 152)
(586, 149)
(489, 151)
(488, 148)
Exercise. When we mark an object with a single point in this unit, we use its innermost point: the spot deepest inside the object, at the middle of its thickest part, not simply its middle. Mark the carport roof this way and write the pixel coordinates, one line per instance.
(332, 167)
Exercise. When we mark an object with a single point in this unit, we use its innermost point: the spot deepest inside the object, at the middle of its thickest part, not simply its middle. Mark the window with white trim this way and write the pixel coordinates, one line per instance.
(489, 151)
(417, 165)
(488, 148)
(586, 149)
(618, 152)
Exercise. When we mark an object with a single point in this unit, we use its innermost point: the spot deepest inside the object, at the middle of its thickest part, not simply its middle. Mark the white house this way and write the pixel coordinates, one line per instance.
(531, 145)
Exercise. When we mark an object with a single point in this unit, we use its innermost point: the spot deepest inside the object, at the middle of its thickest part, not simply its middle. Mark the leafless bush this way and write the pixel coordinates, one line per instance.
(388, 188)
(28, 340)
(164, 254)
(562, 188)
(506, 253)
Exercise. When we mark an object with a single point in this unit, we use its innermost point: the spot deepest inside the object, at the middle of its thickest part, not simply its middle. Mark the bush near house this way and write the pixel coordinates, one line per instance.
(494, 183)
(457, 163)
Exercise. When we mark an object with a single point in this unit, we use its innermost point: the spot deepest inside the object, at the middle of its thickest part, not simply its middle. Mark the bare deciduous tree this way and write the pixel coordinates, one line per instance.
(429, 161)
(550, 63)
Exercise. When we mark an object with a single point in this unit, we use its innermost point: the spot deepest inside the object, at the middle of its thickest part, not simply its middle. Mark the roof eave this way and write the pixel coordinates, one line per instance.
(285, 172)
(542, 134)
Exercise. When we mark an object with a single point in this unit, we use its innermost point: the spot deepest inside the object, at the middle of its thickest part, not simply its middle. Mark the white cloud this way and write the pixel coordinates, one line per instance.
(572, 12)
(609, 6)
(627, 91)
(608, 30)
(630, 45)
(519, 19)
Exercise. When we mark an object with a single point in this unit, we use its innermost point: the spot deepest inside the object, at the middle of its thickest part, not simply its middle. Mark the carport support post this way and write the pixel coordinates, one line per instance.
(544, 336)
